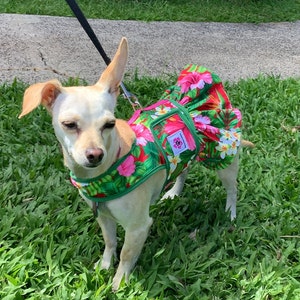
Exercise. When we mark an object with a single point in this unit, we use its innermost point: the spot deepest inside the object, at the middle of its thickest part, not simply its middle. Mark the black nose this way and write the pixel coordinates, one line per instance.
(94, 155)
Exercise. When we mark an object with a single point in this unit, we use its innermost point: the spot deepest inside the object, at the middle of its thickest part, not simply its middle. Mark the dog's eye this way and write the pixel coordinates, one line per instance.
(70, 125)
(110, 124)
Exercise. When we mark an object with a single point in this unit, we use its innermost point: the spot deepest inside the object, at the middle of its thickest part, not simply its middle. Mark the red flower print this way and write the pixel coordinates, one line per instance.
(218, 95)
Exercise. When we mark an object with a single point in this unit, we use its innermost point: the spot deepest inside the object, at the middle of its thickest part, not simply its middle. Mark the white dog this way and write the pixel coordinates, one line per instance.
(121, 167)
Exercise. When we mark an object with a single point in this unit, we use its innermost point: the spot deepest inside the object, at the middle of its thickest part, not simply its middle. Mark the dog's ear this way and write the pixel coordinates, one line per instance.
(40, 93)
(113, 74)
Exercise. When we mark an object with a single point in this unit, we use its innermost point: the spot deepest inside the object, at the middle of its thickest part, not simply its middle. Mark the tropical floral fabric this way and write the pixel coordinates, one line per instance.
(193, 119)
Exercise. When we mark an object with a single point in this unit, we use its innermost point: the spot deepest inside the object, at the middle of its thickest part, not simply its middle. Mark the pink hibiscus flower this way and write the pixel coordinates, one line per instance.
(202, 119)
(202, 124)
(143, 134)
(127, 167)
(194, 80)
(238, 114)
(185, 100)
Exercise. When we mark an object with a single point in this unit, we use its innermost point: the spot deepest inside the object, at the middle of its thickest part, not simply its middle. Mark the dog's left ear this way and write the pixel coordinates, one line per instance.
(113, 74)
(40, 93)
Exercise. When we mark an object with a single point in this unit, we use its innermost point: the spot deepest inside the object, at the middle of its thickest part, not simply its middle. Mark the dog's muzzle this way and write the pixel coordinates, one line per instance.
(94, 156)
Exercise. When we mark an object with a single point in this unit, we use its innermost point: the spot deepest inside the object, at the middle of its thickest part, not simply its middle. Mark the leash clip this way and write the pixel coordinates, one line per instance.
(133, 100)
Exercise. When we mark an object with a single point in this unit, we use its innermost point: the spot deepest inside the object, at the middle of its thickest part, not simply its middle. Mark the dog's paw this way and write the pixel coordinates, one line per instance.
(104, 265)
(115, 285)
(119, 281)
(108, 258)
(116, 282)
(97, 263)
(170, 194)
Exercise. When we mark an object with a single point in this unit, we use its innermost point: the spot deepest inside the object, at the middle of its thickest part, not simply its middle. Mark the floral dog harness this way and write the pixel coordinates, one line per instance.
(192, 120)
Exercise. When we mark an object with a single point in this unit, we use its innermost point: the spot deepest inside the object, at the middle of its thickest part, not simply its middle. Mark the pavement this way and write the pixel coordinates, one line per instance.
(39, 48)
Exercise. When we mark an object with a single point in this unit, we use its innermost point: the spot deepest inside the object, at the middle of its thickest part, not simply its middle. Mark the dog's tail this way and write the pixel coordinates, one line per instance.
(246, 143)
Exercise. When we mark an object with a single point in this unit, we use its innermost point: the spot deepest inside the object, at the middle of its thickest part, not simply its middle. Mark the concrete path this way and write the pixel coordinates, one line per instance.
(38, 48)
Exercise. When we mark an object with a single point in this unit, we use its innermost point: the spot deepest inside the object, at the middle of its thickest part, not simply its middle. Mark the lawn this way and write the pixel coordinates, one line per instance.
(49, 240)
(254, 11)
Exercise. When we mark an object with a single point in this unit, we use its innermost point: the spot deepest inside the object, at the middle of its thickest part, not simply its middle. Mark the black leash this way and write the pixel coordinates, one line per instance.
(89, 31)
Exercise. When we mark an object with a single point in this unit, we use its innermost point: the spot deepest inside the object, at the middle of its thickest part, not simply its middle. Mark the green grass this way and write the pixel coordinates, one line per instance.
(49, 239)
(254, 11)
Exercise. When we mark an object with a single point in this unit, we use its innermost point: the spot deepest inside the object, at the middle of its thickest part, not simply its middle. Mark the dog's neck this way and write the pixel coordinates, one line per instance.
(121, 145)
(126, 136)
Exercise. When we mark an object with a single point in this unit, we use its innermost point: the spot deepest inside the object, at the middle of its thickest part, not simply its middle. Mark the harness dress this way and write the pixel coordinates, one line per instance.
(193, 120)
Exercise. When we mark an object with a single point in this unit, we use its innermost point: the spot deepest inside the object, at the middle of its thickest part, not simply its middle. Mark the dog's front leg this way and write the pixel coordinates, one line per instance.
(109, 231)
(133, 244)
(132, 212)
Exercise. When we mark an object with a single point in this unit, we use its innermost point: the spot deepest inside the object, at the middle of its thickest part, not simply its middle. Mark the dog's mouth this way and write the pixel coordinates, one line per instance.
(92, 165)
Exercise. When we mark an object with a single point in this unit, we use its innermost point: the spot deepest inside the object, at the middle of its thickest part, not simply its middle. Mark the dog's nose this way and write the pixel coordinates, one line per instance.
(94, 155)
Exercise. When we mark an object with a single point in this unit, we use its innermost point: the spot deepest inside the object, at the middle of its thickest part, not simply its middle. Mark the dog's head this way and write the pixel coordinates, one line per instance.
(83, 116)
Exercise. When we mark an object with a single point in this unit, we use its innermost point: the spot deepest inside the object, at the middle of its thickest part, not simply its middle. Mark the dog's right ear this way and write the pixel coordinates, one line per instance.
(40, 93)
(113, 74)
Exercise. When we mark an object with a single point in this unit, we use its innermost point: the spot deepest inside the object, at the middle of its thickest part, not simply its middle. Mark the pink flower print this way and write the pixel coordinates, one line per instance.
(127, 167)
(185, 100)
(177, 143)
(194, 80)
(202, 119)
(238, 115)
(202, 124)
(143, 134)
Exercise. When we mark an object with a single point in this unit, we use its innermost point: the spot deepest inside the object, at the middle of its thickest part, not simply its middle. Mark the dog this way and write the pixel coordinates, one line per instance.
(102, 152)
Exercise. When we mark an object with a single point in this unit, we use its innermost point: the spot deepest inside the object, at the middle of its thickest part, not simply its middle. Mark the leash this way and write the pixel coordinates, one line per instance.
(132, 99)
